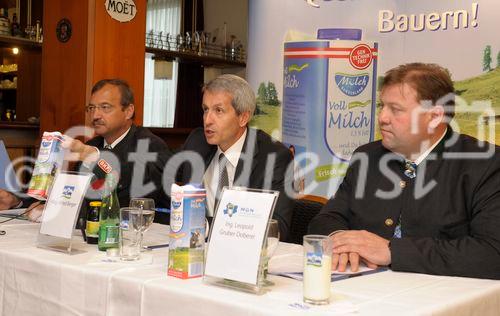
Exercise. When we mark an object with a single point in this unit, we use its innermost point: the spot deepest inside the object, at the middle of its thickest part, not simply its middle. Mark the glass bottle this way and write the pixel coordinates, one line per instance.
(109, 215)
(14, 26)
(92, 227)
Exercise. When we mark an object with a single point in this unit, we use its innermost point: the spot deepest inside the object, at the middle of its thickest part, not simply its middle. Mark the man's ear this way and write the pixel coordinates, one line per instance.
(129, 111)
(244, 118)
(437, 116)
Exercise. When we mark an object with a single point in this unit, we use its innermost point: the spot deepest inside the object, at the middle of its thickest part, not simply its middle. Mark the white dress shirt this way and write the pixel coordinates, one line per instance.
(117, 141)
(211, 176)
(428, 151)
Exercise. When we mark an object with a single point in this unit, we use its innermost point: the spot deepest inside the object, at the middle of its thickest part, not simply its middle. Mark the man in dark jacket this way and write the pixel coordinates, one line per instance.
(138, 156)
(423, 199)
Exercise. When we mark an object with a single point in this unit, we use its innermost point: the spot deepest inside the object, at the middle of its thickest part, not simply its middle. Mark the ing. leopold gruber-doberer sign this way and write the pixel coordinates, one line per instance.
(121, 10)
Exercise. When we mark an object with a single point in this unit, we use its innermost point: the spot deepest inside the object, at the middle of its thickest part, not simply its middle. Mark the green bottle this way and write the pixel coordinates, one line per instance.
(109, 215)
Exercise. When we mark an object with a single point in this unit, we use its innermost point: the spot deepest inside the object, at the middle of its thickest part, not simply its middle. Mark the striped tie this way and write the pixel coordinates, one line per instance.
(223, 178)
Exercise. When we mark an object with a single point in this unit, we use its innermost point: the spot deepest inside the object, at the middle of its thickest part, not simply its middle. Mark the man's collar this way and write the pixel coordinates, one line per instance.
(430, 149)
(233, 153)
(118, 140)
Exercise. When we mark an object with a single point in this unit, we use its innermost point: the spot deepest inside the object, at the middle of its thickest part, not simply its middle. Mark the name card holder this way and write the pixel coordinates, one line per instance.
(61, 210)
(235, 256)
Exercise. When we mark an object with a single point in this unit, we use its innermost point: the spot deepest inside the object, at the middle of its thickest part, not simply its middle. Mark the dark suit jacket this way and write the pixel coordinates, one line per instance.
(452, 228)
(153, 168)
(251, 169)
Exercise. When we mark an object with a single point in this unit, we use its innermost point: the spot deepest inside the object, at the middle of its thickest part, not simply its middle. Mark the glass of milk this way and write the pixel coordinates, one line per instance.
(317, 269)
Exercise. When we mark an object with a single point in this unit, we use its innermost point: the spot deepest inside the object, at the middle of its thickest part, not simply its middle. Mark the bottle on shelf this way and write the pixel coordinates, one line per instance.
(38, 31)
(109, 214)
(15, 29)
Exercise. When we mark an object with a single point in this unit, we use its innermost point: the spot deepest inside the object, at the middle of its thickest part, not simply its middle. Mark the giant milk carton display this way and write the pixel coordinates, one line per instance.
(187, 231)
(329, 98)
(47, 165)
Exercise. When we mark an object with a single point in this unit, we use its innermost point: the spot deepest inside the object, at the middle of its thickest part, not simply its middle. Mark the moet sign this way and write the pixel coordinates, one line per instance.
(121, 10)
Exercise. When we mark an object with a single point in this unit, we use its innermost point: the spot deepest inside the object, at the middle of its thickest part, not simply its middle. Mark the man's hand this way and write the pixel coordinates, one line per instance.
(80, 151)
(366, 245)
(8, 200)
(340, 261)
(35, 212)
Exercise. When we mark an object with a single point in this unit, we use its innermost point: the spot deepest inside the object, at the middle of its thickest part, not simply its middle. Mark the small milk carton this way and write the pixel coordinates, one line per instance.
(187, 231)
(47, 165)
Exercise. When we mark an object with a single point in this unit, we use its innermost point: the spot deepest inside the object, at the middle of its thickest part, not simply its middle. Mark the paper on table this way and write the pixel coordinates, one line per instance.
(14, 211)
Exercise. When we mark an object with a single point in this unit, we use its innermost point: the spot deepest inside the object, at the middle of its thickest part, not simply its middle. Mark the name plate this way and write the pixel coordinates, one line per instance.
(237, 234)
(62, 206)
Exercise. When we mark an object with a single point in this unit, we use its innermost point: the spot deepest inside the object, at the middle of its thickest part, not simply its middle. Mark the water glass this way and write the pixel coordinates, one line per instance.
(130, 227)
(317, 269)
(147, 206)
(270, 245)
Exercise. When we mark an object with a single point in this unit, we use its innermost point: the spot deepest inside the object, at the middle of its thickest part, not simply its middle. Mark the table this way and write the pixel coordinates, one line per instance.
(35, 281)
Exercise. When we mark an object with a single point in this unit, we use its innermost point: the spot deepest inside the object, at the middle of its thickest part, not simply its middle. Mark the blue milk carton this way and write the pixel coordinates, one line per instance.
(187, 231)
(329, 98)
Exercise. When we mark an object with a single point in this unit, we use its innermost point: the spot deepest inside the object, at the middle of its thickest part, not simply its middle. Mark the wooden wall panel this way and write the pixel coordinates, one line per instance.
(120, 50)
(64, 67)
(100, 47)
(29, 82)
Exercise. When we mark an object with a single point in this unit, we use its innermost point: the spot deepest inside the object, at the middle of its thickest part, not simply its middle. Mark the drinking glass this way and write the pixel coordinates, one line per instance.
(147, 207)
(317, 269)
(130, 227)
(270, 245)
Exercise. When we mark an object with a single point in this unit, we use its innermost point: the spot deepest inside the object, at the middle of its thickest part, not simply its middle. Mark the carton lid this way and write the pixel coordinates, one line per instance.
(340, 34)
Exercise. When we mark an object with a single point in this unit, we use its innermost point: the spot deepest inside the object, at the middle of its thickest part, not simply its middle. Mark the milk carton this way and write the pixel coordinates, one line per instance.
(47, 165)
(187, 231)
(329, 98)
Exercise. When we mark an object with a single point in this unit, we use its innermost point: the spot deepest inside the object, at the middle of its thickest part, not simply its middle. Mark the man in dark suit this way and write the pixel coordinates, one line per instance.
(134, 152)
(423, 199)
(232, 153)
(137, 154)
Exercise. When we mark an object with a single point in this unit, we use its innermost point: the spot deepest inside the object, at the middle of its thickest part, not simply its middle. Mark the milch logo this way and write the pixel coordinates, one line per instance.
(230, 209)
(352, 85)
(176, 204)
(68, 191)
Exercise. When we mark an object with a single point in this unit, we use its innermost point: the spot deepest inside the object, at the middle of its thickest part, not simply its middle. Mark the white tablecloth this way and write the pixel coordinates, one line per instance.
(41, 282)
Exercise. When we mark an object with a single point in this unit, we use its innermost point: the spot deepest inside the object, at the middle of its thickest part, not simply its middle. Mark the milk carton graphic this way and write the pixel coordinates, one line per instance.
(48, 163)
(187, 231)
(329, 98)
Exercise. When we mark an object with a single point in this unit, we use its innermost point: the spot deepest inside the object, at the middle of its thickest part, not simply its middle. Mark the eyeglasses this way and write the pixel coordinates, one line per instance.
(105, 108)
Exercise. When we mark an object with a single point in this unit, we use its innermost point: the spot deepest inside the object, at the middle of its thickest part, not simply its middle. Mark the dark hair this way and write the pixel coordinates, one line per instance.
(126, 93)
(431, 82)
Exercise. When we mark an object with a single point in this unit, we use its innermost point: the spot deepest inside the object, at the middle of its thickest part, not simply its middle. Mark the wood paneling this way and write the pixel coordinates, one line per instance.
(100, 47)
(28, 83)
(64, 67)
(120, 50)
(173, 137)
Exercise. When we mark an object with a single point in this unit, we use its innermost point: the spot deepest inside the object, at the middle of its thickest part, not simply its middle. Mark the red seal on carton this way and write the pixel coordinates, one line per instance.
(361, 56)
(104, 165)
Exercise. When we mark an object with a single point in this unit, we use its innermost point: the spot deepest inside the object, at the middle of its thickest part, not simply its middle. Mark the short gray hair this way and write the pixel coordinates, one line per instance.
(243, 97)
